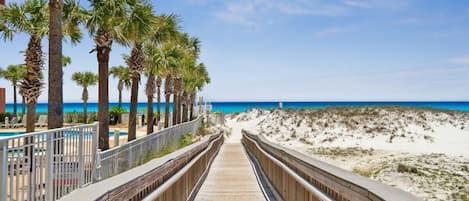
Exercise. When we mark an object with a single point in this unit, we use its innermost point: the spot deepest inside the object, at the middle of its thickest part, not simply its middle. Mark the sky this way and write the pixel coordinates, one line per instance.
(305, 50)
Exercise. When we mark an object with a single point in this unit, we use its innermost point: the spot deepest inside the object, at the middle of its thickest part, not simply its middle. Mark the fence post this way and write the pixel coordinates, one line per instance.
(96, 161)
(81, 158)
(3, 169)
(97, 168)
(50, 167)
(116, 138)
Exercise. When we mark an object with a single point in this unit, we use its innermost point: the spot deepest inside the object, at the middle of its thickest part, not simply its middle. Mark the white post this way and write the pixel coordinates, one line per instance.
(97, 174)
(50, 167)
(116, 138)
(3, 169)
(81, 155)
(7, 122)
(95, 153)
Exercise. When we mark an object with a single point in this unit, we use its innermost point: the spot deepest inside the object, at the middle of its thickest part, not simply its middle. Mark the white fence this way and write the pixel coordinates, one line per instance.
(132, 154)
(47, 165)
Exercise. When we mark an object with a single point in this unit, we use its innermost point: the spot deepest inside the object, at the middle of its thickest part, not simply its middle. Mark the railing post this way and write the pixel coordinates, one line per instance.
(116, 137)
(81, 158)
(3, 169)
(97, 168)
(96, 161)
(50, 167)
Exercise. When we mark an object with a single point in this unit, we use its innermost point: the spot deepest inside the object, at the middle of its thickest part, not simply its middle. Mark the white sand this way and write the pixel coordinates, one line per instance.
(431, 147)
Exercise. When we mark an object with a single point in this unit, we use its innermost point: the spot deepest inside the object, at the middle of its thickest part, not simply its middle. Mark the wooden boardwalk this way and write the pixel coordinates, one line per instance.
(231, 177)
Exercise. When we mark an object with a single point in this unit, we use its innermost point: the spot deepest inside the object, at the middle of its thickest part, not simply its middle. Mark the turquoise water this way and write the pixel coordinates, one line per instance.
(231, 107)
(9, 134)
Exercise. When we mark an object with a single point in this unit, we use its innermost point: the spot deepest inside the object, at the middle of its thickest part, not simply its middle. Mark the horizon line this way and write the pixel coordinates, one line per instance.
(275, 101)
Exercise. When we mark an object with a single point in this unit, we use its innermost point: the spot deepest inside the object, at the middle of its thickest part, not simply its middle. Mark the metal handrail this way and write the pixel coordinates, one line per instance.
(292, 173)
(141, 140)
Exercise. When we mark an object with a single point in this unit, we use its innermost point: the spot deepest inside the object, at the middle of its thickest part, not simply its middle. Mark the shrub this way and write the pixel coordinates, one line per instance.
(115, 113)
(3, 115)
(186, 139)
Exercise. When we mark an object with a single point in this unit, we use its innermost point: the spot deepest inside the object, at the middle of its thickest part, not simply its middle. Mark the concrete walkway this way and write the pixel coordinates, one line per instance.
(231, 176)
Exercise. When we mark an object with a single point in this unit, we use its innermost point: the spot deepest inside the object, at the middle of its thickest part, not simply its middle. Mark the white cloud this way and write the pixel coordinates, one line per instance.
(460, 60)
(330, 31)
(358, 3)
(253, 12)
(384, 4)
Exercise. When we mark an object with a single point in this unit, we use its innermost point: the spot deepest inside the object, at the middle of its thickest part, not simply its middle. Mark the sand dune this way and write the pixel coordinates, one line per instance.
(423, 151)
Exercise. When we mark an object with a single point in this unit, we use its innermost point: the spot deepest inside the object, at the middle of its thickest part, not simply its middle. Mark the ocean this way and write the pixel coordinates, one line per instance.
(232, 107)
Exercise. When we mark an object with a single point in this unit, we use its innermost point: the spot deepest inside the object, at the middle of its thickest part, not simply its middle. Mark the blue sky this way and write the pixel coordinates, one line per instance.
(308, 49)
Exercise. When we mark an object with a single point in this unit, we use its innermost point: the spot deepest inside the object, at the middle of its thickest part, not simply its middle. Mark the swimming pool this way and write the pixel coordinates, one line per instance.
(15, 133)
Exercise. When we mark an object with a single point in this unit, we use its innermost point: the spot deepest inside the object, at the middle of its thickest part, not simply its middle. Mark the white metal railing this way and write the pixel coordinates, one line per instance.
(46, 165)
(134, 153)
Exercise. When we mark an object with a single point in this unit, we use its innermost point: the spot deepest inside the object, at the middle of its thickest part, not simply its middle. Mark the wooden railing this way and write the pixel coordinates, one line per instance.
(185, 184)
(174, 180)
(295, 176)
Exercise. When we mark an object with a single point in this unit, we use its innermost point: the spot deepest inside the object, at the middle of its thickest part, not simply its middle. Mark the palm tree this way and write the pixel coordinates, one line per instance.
(85, 80)
(137, 30)
(32, 17)
(201, 78)
(66, 61)
(14, 74)
(171, 55)
(152, 61)
(191, 49)
(105, 19)
(62, 19)
(166, 28)
(123, 75)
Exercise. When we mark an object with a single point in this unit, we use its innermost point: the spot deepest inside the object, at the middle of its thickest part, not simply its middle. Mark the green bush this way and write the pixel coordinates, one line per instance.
(3, 115)
(186, 139)
(115, 114)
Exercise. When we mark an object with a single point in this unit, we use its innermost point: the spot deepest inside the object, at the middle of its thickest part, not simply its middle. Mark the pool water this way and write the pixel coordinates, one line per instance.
(10, 134)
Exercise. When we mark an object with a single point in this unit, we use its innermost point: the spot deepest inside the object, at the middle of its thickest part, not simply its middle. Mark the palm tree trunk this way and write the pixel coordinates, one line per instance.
(120, 99)
(175, 107)
(158, 99)
(150, 90)
(85, 100)
(133, 110)
(184, 107)
(23, 105)
(29, 150)
(85, 111)
(180, 101)
(14, 99)
(105, 39)
(55, 99)
(31, 85)
(167, 95)
(150, 115)
(31, 117)
(191, 106)
(178, 118)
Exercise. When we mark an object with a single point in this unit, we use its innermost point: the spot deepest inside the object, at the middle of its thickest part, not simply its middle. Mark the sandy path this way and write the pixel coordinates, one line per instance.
(236, 128)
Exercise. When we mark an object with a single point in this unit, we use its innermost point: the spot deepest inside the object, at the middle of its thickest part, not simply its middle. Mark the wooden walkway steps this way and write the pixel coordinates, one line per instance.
(231, 177)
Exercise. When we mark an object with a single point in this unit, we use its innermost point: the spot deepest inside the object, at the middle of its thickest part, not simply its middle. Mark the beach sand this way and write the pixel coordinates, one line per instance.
(422, 151)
